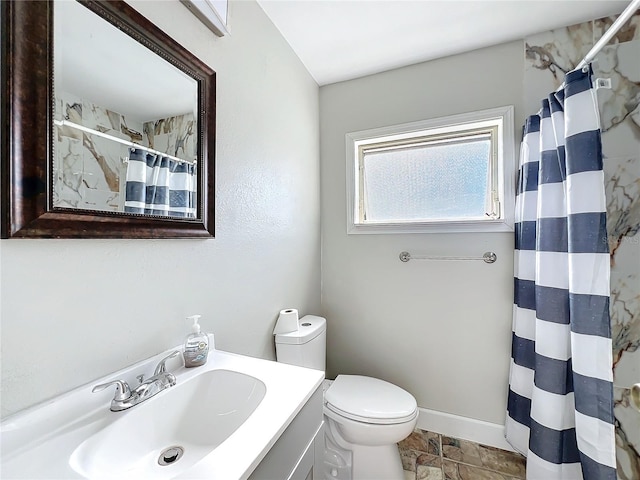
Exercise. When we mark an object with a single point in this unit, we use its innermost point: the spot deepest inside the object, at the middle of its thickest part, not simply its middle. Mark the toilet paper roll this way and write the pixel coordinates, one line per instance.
(287, 321)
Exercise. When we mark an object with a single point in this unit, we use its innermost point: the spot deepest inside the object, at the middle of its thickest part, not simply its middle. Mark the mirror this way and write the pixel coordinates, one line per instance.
(110, 127)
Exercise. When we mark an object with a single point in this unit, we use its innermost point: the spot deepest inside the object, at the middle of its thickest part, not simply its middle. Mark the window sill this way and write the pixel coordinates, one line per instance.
(486, 226)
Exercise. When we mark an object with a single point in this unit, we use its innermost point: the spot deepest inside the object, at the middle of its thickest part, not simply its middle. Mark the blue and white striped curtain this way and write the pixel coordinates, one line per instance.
(560, 405)
(157, 185)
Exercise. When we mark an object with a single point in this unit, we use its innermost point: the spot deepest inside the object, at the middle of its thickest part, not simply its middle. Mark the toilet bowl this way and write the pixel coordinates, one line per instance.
(364, 417)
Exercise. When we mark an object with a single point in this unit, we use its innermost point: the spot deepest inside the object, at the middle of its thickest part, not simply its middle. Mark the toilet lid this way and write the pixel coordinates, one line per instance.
(370, 400)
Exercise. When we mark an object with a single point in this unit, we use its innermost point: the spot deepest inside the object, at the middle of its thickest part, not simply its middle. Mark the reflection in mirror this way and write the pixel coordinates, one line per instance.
(125, 122)
(81, 139)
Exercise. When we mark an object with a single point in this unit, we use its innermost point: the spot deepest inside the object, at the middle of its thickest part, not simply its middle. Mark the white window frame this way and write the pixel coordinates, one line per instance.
(502, 117)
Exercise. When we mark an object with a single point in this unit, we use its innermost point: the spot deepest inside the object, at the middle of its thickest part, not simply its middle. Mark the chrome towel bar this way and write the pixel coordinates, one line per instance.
(487, 257)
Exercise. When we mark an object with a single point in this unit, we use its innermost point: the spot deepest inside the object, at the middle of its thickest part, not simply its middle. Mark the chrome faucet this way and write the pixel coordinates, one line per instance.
(127, 398)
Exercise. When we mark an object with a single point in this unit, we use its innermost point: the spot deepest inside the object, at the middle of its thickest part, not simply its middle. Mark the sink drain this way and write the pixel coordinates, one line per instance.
(170, 455)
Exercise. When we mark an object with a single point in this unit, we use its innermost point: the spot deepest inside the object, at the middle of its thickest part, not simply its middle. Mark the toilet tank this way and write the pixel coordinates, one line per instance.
(307, 347)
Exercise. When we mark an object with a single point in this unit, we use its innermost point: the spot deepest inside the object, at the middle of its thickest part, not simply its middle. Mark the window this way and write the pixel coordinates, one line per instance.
(442, 175)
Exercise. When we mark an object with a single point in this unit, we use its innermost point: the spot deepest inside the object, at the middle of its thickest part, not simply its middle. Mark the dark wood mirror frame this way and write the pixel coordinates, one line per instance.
(26, 119)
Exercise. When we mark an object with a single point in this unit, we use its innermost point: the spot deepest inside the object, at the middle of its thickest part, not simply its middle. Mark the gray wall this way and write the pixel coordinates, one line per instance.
(75, 310)
(442, 330)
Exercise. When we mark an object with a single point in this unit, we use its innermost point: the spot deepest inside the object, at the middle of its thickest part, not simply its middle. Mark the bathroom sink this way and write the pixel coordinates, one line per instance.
(225, 416)
(173, 431)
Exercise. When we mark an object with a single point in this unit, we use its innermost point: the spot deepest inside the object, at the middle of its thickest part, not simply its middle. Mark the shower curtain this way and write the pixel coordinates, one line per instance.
(158, 185)
(560, 403)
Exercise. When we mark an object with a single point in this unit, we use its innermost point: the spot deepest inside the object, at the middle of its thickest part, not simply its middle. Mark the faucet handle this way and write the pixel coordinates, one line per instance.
(161, 368)
(123, 391)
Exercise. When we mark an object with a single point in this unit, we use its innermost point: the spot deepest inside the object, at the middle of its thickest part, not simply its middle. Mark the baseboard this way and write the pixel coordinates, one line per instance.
(478, 431)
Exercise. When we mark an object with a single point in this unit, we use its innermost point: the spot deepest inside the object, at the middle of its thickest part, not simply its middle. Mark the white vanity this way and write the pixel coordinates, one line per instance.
(236, 417)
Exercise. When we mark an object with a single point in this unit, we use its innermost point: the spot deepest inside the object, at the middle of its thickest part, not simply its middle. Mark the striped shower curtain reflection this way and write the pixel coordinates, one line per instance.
(158, 185)
(560, 404)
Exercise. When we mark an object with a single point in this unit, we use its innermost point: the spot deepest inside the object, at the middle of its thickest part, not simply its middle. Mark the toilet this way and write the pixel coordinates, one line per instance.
(364, 417)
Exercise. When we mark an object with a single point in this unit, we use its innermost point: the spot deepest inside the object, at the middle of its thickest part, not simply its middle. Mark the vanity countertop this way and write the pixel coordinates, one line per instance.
(40, 442)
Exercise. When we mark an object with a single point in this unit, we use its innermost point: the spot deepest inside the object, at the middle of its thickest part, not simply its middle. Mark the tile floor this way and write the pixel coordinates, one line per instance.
(431, 456)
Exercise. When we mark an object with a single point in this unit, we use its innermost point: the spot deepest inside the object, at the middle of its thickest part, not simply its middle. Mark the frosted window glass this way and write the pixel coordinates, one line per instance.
(427, 183)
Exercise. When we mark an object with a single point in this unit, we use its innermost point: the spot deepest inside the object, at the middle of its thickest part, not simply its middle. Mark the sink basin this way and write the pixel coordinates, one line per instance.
(196, 416)
(225, 416)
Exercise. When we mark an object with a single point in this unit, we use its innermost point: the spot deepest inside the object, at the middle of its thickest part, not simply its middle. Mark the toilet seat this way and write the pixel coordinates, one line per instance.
(370, 400)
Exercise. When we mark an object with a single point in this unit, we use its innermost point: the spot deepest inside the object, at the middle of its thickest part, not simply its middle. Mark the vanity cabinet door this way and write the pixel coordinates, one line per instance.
(294, 454)
(304, 469)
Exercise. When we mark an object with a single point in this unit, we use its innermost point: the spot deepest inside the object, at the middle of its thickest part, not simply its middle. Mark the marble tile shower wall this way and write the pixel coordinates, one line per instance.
(547, 57)
(173, 135)
(90, 171)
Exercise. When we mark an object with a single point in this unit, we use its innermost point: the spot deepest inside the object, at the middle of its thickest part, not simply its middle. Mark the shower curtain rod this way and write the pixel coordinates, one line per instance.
(608, 35)
(67, 123)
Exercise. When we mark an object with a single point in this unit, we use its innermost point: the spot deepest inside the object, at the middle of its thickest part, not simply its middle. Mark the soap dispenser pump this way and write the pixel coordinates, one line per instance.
(196, 345)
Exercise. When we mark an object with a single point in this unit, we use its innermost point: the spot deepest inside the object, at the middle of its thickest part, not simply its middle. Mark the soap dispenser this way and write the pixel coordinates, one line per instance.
(196, 345)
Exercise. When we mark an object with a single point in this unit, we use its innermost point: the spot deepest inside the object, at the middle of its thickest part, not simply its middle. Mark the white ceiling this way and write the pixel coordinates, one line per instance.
(343, 39)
